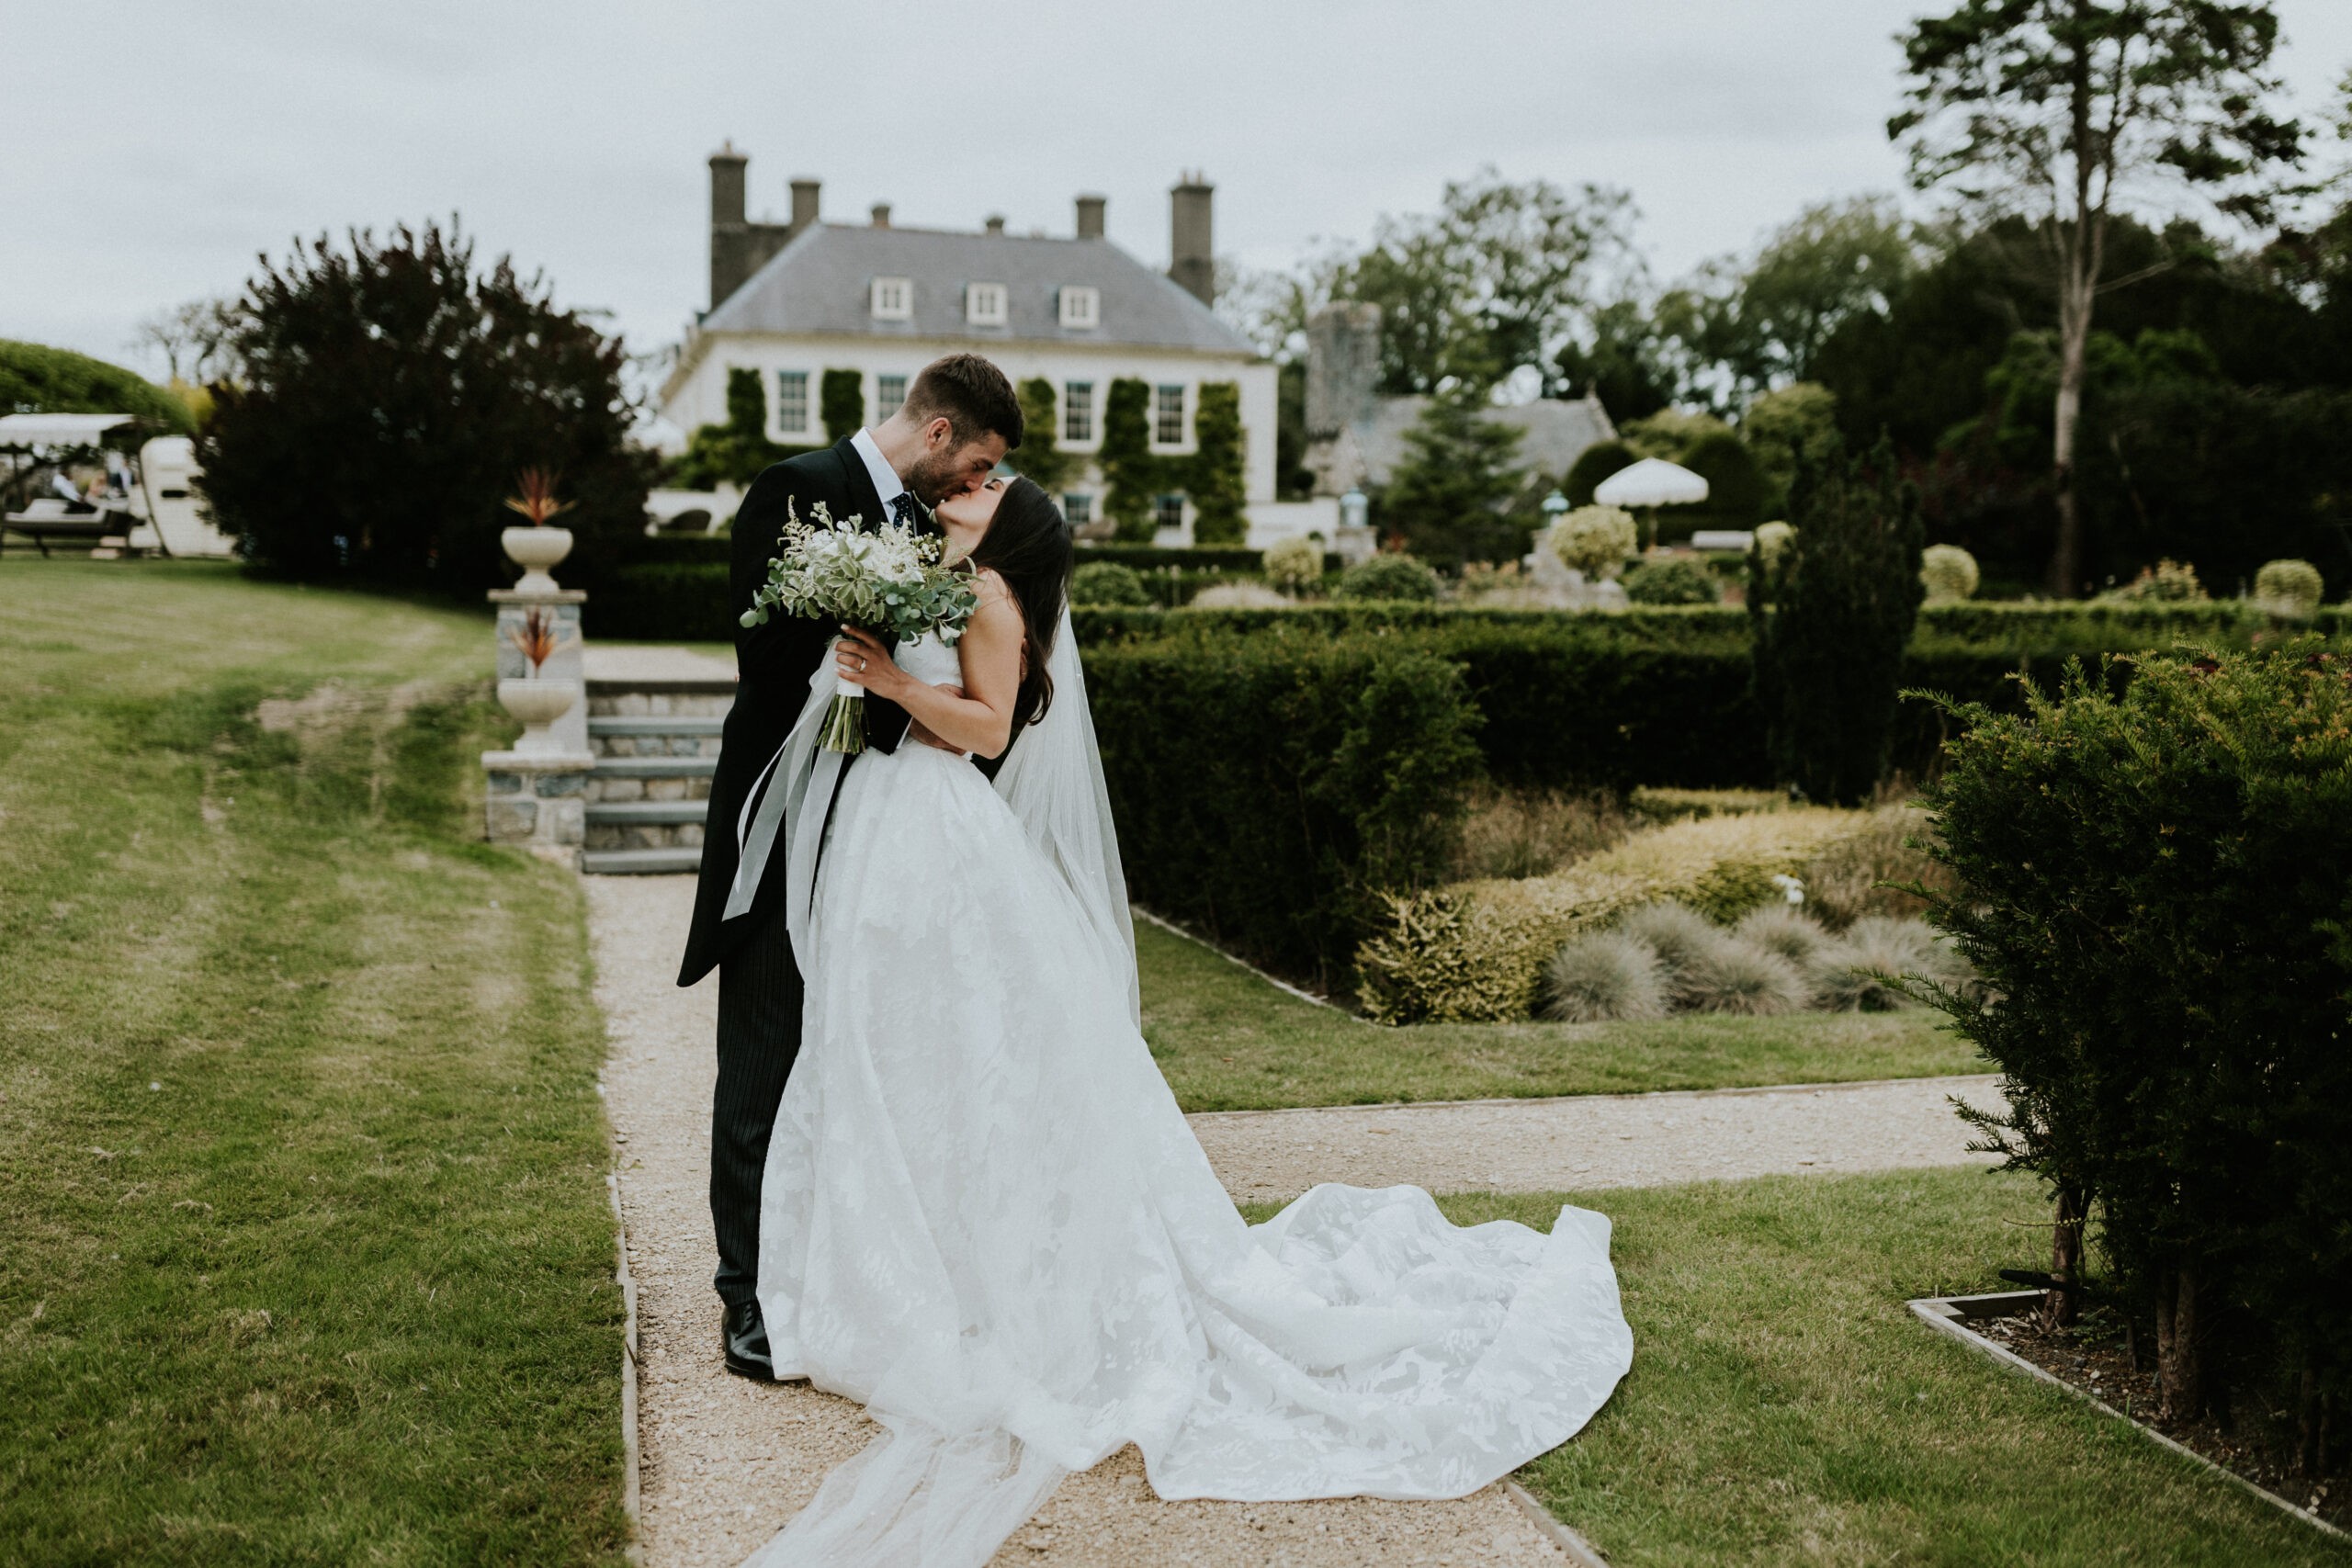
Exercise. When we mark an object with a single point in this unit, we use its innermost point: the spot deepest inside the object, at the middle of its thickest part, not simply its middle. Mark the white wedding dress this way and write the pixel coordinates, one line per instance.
(986, 1220)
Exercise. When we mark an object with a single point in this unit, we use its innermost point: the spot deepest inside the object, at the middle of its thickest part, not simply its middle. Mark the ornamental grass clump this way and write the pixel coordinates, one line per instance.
(2152, 883)
(1865, 970)
(1784, 930)
(1602, 978)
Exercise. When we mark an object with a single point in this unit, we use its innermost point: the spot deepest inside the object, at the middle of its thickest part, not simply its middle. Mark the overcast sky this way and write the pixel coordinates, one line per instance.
(151, 149)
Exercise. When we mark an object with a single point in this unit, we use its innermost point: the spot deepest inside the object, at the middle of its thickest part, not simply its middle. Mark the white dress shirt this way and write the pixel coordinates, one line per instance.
(885, 477)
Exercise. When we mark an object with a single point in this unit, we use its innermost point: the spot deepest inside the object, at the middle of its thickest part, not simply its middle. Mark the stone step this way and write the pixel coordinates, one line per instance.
(640, 863)
(656, 767)
(643, 812)
(677, 724)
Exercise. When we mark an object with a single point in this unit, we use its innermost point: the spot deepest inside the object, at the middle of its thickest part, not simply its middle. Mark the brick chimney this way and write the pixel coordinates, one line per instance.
(804, 204)
(728, 252)
(1090, 216)
(995, 225)
(1191, 260)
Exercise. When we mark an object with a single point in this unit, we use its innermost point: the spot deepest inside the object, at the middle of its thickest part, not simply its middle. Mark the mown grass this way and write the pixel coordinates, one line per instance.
(1227, 1041)
(1785, 1406)
(308, 1251)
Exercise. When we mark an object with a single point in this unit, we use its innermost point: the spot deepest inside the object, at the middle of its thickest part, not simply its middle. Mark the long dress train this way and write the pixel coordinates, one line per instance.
(986, 1219)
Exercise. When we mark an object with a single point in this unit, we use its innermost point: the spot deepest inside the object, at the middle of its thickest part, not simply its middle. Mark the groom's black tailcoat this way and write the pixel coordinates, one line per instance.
(759, 982)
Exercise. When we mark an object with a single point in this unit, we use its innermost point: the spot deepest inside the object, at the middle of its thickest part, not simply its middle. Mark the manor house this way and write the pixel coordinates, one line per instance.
(794, 301)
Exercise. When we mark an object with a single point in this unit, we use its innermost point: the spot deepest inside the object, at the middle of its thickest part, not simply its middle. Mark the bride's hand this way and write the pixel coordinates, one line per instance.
(862, 660)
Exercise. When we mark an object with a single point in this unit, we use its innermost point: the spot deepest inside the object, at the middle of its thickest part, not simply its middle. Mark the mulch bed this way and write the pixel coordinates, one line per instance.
(2259, 1444)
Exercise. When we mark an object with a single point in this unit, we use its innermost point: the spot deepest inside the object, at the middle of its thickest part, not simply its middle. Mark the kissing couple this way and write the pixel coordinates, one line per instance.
(948, 1180)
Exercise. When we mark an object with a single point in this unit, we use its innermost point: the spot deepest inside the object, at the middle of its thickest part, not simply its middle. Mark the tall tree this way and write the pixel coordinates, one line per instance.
(2050, 109)
(1447, 495)
(1762, 322)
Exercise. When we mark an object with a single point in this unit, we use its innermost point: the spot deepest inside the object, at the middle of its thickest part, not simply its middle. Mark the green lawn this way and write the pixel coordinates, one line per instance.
(1229, 1042)
(1785, 1406)
(308, 1255)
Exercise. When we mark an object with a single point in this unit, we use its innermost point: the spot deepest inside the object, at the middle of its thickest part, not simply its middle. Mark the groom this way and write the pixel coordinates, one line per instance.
(959, 419)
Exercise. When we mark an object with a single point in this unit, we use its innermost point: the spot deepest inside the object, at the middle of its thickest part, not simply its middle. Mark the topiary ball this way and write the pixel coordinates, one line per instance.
(1106, 583)
(1296, 565)
(1388, 577)
(1672, 583)
(1948, 572)
(2289, 589)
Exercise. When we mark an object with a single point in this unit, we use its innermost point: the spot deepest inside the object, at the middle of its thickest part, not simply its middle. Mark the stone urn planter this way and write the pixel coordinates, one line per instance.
(537, 704)
(536, 551)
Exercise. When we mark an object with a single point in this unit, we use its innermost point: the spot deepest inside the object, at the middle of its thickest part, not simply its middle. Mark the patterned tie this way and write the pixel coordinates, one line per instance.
(903, 507)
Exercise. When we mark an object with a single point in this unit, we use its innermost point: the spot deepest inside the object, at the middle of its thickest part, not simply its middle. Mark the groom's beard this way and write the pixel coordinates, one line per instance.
(935, 477)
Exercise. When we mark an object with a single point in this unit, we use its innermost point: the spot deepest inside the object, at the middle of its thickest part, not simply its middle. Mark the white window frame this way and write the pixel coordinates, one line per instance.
(783, 428)
(987, 305)
(1160, 414)
(1078, 509)
(1078, 411)
(891, 299)
(1081, 306)
(882, 407)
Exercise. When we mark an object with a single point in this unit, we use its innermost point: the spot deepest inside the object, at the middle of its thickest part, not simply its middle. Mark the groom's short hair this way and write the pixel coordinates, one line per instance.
(971, 394)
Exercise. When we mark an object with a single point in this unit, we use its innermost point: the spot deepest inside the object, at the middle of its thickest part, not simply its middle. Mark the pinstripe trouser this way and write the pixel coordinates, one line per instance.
(759, 1036)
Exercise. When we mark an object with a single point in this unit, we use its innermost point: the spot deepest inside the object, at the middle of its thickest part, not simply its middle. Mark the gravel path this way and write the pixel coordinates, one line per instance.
(726, 1464)
(1588, 1141)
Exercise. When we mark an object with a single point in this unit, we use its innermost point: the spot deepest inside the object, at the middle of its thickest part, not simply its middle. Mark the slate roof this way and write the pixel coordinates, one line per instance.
(818, 284)
(1557, 432)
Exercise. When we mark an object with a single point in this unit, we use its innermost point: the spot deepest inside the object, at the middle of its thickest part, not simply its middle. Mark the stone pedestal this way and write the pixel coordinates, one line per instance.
(570, 731)
(537, 801)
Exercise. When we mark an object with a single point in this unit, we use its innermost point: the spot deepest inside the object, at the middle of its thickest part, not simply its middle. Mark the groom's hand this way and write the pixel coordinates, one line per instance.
(915, 731)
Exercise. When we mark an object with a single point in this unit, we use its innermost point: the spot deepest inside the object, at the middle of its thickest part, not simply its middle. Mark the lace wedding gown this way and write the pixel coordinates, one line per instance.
(986, 1220)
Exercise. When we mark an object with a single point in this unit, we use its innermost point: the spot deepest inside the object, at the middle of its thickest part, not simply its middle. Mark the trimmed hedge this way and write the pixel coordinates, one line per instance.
(1265, 789)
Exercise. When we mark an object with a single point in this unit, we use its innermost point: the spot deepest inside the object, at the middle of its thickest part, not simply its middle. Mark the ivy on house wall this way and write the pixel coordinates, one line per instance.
(840, 403)
(1212, 475)
(1215, 483)
(1040, 455)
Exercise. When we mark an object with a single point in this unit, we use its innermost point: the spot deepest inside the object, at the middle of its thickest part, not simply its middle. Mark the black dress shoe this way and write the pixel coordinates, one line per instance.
(743, 1337)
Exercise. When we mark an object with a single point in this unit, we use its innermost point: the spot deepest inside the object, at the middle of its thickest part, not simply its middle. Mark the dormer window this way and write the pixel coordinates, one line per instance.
(1081, 307)
(984, 304)
(893, 298)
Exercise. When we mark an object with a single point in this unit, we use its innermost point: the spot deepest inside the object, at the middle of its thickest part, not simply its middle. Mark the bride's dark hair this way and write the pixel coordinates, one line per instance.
(1028, 544)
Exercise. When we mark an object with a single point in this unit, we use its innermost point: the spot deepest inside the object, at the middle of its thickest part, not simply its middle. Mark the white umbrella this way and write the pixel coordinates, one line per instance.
(1653, 481)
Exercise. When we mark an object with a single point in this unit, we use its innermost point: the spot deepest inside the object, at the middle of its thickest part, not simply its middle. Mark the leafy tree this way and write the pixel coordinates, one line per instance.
(735, 452)
(1764, 322)
(1789, 426)
(1670, 432)
(840, 403)
(1445, 498)
(1216, 481)
(37, 380)
(1040, 454)
(390, 394)
(194, 340)
(1832, 613)
(1623, 363)
(1491, 281)
(2043, 109)
(1737, 491)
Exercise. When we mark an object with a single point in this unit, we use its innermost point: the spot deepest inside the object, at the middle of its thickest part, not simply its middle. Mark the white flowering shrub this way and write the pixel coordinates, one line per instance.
(1949, 574)
(1594, 540)
(1295, 565)
(2288, 588)
(1772, 538)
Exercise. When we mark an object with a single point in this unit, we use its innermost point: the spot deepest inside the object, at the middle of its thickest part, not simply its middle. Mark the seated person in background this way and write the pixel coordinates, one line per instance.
(61, 484)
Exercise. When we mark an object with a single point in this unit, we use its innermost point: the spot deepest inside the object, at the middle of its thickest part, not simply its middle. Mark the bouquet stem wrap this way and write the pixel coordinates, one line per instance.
(844, 728)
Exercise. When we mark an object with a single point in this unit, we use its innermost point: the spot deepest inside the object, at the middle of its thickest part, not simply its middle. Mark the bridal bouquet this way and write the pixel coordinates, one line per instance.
(890, 581)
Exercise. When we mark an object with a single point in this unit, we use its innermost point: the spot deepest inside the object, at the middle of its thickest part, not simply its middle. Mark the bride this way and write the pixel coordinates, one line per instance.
(984, 1217)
